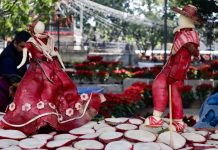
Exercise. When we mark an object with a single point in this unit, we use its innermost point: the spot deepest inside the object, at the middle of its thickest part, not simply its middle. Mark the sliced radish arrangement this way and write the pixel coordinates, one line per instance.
(194, 138)
(91, 136)
(12, 134)
(187, 148)
(126, 126)
(65, 136)
(214, 136)
(66, 148)
(164, 146)
(4, 143)
(101, 125)
(110, 136)
(203, 133)
(58, 143)
(116, 121)
(12, 148)
(32, 143)
(202, 146)
(178, 140)
(212, 142)
(135, 121)
(153, 130)
(106, 129)
(90, 124)
(43, 136)
(139, 136)
(118, 145)
(81, 131)
(189, 129)
(146, 146)
(89, 145)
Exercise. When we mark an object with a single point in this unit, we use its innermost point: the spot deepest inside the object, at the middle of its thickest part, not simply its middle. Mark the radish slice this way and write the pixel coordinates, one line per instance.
(91, 136)
(126, 126)
(31, 143)
(212, 142)
(53, 133)
(81, 131)
(89, 145)
(66, 148)
(4, 143)
(118, 145)
(12, 148)
(139, 136)
(202, 146)
(110, 136)
(194, 138)
(178, 140)
(101, 125)
(43, 136)
(58, 143)
(164, 147)
(12, 134)
(189, 129)
(153, 130)
(106, 129)
(203, 133)
(187, 148)
(135, 121)
(146, 146)
(89, 124)
(116, 121)
(65, 136)
(214, 136)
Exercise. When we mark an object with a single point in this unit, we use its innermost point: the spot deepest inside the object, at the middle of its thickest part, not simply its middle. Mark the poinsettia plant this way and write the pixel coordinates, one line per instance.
(203, 90)
(187, 96)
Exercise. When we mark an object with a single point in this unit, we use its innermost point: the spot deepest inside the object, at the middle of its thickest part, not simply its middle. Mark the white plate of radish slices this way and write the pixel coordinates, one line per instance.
(139, 136)
(108, 137)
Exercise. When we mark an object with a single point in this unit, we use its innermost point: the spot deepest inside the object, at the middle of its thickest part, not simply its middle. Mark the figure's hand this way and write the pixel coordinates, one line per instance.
(171, 80)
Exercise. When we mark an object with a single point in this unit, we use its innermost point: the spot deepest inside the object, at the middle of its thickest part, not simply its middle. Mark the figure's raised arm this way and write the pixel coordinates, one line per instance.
(23, 61)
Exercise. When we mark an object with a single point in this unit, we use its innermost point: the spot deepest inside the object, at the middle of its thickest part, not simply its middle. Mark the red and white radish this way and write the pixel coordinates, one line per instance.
(194, 138)
(66, 148)
(89, 145)
(135, 121)
(152, 130)
(139, 136)
(89, 124)
(198, 146)
(214, 136)
(81, 131)
(12, 148)
(32, 143)
(58, 143)
(101, 125)
(110, 136)
(177, 142)
(91, 136)
(65, 136)
(115, 121)
(118, 145)
(12, 134)
(125, 127)
(4, 143)
(43, 136)
(146, 146)
(106, 129)
(164, 146)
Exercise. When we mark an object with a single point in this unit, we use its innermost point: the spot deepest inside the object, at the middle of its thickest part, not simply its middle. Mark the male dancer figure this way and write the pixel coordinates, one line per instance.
(185, 45)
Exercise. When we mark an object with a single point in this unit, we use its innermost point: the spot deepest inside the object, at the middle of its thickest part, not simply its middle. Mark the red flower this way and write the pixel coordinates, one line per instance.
(94, 58)
(186, 88)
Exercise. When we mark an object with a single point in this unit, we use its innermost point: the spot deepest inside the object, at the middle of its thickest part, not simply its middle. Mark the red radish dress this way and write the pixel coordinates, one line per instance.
(47, 96)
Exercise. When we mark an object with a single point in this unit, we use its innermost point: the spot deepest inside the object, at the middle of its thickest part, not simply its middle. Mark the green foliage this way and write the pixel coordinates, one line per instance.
(17, 14)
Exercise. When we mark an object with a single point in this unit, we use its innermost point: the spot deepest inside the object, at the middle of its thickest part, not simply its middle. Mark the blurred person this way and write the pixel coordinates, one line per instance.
(9, 74)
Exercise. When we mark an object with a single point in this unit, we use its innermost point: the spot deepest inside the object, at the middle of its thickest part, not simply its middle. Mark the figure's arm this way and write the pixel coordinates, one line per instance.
(55, 53)
(23, 59)
(192, 49)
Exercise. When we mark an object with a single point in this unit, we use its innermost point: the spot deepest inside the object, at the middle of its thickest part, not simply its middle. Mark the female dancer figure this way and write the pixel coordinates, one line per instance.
(46, 95)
